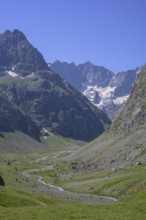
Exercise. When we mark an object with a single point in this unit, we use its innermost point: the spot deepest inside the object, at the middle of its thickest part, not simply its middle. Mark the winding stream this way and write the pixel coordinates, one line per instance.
(40, 179)
(81, 197)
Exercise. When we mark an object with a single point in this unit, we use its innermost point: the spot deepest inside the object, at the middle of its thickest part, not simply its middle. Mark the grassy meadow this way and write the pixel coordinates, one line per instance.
(22, 198)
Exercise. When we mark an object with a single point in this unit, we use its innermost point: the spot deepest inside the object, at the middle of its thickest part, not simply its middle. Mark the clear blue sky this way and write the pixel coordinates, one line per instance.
(111, 33)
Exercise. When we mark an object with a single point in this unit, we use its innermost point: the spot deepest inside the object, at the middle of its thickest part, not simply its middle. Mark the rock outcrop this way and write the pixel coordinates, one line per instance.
(2, 183)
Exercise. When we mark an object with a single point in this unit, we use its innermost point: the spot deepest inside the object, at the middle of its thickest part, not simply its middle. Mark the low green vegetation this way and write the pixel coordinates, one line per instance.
(113, 184)
(58, 143)
(37, 208)
(19, 200)
(13, 198)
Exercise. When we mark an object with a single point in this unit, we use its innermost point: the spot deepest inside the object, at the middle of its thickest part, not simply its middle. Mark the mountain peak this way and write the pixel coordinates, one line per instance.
(17, 34)
(16, 51)
(88, 63)
(20, 35)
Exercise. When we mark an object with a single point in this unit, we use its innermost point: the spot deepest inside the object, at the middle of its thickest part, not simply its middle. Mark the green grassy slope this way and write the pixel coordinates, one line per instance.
(45, 208)
(18, 201)
(19, 142)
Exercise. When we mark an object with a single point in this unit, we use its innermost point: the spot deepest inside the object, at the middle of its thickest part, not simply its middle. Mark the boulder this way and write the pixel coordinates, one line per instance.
(2, 183)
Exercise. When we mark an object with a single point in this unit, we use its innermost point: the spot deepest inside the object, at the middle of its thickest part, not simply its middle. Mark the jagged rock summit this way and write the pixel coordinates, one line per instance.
(105, 89)
(18, 54)
(40, 96)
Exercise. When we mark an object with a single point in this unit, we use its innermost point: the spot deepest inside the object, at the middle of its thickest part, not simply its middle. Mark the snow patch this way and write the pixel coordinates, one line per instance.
(47, 132)
(11, 73)
(106, 94)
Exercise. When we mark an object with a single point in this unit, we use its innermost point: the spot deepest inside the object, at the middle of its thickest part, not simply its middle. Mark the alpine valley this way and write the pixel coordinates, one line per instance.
(61, 157)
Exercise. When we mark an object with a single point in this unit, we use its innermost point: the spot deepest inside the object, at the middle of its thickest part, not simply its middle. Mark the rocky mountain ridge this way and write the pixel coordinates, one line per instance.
(133, 116)
(105, 89)
(41, 95)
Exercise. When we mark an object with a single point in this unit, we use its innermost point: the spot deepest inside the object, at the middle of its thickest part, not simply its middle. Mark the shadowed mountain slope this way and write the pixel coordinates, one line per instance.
(45, 98)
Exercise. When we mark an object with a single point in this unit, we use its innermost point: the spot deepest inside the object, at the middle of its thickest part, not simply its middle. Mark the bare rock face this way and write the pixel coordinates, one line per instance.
(133, 116)
(17, 53)
(2, 183)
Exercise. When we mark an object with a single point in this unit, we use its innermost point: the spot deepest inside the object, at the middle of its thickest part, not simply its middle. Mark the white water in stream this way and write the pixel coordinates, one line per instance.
(40, 179)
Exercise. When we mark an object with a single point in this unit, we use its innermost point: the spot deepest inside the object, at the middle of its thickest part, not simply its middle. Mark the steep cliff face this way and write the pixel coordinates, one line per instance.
(69, 72)
(82, 74)
(96, 75)
(123, 82)
(133, 116)
(45, 98)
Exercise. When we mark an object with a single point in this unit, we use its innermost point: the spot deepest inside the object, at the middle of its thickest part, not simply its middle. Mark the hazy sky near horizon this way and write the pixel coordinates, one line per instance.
(109, 33)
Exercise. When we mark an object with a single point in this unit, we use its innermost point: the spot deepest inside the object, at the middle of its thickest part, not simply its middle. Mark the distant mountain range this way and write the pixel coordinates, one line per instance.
(105, 89)
(35, 99)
